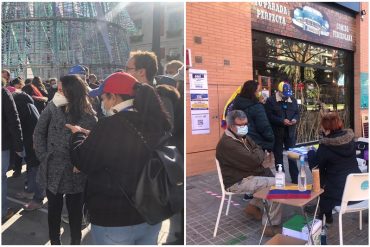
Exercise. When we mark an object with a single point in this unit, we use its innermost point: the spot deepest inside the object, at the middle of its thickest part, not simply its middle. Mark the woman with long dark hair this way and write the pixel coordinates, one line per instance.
(259, 128)
(38, 92)
(51, 140)
(114, 153)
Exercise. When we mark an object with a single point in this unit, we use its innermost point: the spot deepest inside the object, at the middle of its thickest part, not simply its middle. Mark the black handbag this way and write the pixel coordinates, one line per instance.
(160, 190)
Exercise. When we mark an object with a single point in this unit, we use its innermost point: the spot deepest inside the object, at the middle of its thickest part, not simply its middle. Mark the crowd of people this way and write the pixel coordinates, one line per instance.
(78, 138)
(257, 128)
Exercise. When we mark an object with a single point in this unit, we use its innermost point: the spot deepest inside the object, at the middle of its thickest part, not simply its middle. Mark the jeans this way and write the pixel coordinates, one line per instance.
(142, 234)
(74, 207)
(32, 186)
(5, 156)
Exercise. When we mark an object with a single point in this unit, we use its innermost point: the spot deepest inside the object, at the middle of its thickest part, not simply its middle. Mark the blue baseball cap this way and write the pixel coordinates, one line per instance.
(77, 70)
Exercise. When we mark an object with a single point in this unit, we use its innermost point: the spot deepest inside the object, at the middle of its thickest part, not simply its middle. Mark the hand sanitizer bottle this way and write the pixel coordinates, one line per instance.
(280, 177)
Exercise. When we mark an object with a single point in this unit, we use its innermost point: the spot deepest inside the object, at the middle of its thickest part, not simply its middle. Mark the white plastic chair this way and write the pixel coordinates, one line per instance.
(356, 189)
(224, 193)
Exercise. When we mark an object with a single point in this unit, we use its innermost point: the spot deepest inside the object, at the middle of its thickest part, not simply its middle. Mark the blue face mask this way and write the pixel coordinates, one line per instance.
(242, 130)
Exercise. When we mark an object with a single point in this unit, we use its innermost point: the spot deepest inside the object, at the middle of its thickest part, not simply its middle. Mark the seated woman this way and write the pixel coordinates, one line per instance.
(336, 159)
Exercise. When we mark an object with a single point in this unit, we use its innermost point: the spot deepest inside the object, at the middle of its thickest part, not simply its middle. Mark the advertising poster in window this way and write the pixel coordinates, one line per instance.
(199, 102)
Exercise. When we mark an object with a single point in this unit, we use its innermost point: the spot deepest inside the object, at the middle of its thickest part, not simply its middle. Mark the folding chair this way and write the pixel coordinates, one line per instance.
(224, 193)
(356, 189)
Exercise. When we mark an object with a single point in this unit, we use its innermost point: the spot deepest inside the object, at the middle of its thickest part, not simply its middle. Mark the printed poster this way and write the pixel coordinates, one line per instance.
(199, 102)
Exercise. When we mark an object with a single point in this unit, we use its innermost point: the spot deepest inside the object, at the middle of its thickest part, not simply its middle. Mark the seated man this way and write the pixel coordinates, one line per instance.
(242, 171)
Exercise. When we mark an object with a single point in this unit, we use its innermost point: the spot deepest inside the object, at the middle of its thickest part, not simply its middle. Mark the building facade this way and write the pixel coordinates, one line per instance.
(321, 49)
(171, 29)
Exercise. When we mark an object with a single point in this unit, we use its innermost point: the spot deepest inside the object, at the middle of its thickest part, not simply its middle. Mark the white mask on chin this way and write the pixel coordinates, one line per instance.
(59, 100)
(105, 112)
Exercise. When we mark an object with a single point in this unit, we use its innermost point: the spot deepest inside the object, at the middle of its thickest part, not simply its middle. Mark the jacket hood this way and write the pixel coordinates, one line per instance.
(243, 103)
(340, 142)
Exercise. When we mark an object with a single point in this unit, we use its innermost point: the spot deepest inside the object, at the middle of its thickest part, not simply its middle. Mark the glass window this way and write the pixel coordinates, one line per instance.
(321, 78)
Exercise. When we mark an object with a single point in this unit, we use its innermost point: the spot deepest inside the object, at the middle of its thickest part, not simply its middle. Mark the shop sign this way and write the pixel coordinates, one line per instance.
(199, 102)
(318, 23)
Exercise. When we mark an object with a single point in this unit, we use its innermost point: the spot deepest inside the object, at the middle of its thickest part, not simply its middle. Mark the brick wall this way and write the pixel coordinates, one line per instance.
(225, 30)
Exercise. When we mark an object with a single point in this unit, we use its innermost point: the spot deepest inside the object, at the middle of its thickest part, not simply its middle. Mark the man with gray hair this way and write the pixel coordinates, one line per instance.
(242, 171)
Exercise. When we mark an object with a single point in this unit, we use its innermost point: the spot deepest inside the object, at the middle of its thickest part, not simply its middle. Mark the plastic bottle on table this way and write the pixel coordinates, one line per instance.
(280, 177)
(302, 178)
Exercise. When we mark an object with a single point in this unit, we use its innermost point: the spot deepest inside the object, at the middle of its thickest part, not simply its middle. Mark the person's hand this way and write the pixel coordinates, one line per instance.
(75, 170)
(293, 121)
(287, 122)
(76, 128)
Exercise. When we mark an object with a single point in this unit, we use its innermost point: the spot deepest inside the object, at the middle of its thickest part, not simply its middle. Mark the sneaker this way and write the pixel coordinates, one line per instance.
(32, 205)
(24, 195)
(272, 230)
(253, 211)
(10, 212)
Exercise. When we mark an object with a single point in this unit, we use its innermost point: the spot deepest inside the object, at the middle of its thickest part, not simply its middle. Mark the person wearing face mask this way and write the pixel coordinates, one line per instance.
(57, 174)
(283, 113)
(113, 154)
(53, 88)
(336, 159)
(241, 167)
(259, 126)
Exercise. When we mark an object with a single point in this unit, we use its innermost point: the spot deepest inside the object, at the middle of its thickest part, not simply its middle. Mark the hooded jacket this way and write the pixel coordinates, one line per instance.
(259, 128)
(336, 157)
(239, 159)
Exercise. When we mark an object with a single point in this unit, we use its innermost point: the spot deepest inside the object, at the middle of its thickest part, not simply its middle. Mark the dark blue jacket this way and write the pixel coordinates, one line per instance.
(277, 112)
(259, 128)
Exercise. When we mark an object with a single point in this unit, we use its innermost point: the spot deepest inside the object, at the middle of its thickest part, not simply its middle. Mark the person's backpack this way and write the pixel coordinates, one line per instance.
(160, 189)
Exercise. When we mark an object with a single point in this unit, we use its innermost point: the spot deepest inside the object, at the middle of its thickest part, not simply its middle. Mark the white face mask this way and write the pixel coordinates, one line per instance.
(59, 100)
(105, 112)
(55, 86)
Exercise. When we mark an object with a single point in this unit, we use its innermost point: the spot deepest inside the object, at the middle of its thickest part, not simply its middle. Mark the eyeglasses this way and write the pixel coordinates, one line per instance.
(128, 68)
(241, 125)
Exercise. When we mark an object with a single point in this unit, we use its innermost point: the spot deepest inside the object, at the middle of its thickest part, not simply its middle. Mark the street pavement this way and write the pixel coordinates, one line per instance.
(203, 194)
(31, 228)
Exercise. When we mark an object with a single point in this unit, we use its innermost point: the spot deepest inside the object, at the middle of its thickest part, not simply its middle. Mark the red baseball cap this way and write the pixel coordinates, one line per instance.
(116, 83)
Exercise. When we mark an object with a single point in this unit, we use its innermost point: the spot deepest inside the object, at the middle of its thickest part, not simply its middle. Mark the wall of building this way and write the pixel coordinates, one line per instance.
(225, 32)
(171, 45)
(222, 40)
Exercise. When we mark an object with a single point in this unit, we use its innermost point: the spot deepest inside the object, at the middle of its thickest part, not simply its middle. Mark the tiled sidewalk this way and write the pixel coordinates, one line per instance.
(203, 192)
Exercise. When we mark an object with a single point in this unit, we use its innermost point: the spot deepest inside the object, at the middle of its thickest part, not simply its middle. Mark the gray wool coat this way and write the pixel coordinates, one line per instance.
(51, 143)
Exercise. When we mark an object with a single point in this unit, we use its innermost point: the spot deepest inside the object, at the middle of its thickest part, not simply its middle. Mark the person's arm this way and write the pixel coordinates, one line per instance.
(296, 111)
(13, 121)
(40, 133)
(239, 157)
(263, 125)
(86, 147)
(277, 120)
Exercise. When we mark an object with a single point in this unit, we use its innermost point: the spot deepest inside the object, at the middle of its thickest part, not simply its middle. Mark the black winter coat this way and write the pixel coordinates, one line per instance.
(277, 112)
(111, 154)
(11, 131)
(259, 128)
(336, 157)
